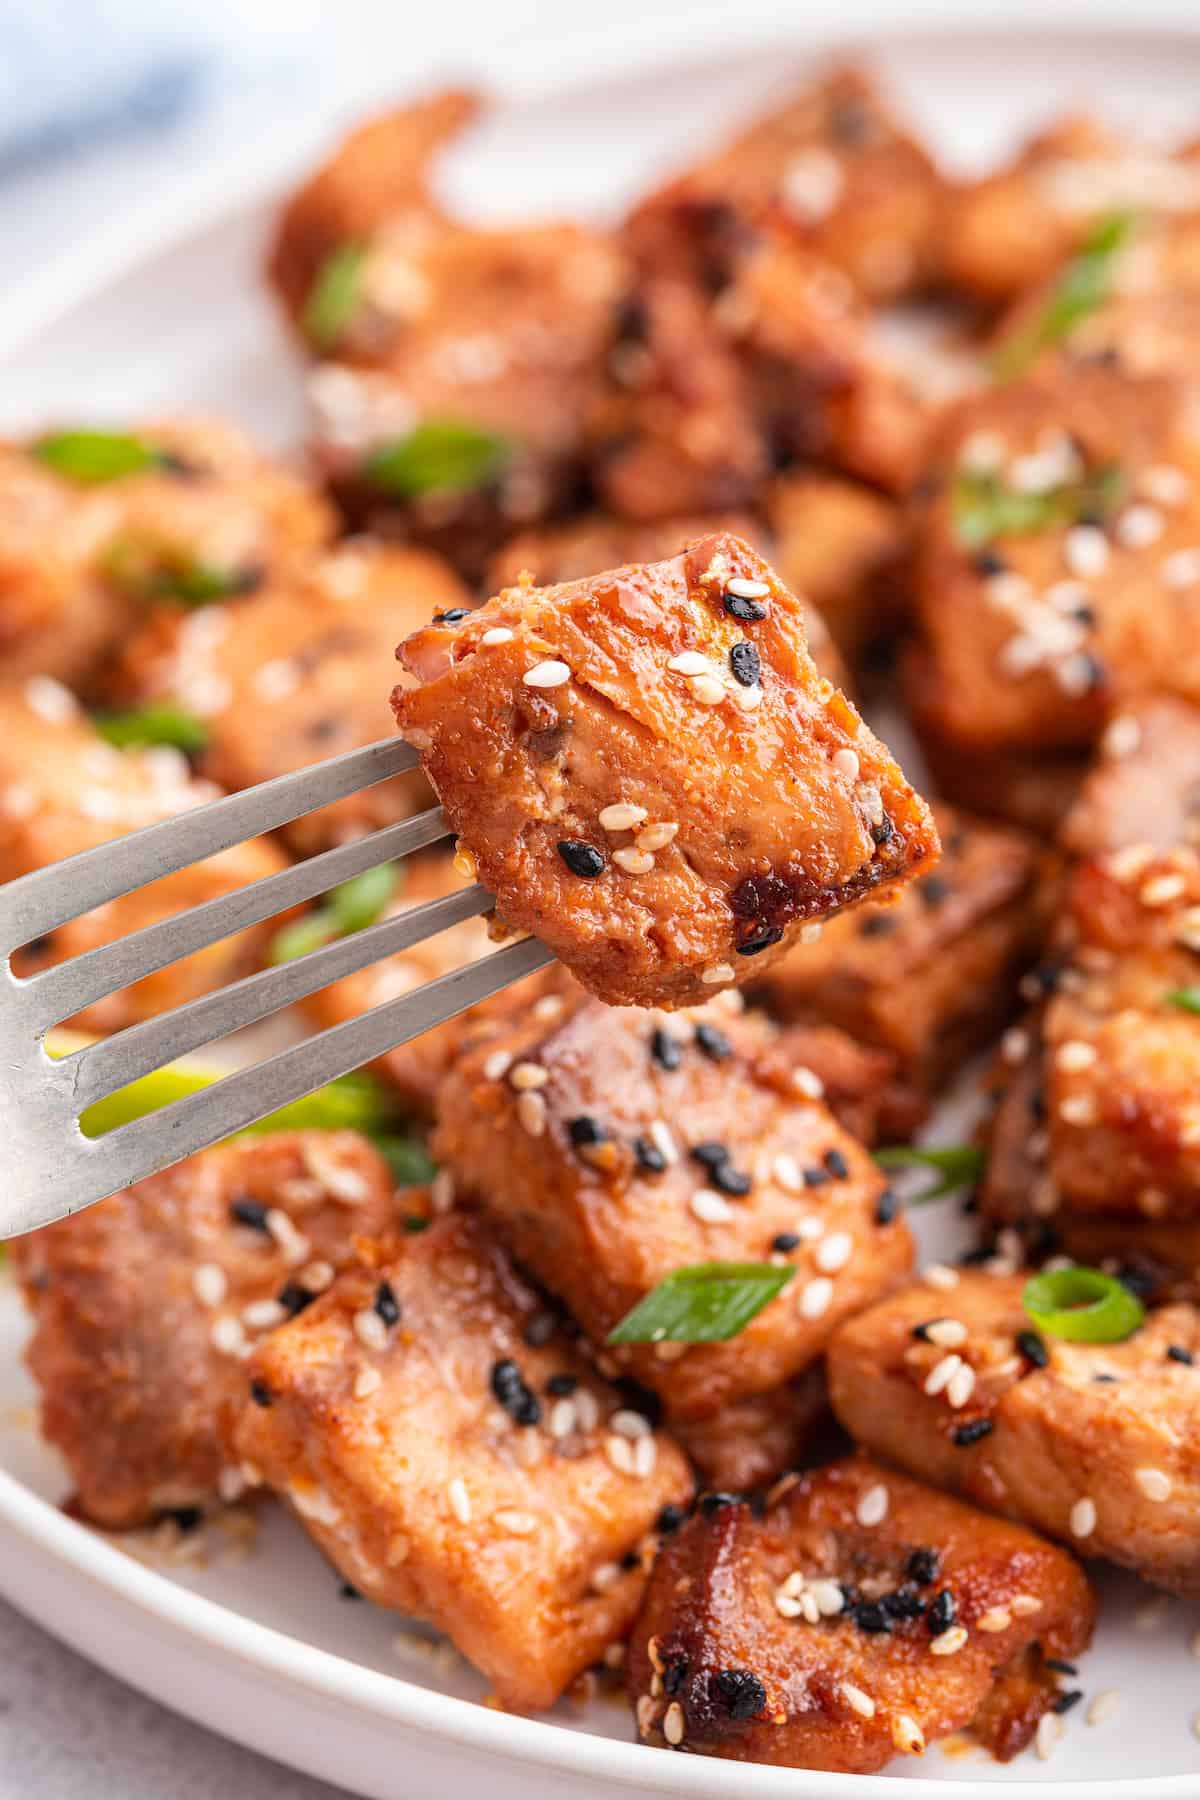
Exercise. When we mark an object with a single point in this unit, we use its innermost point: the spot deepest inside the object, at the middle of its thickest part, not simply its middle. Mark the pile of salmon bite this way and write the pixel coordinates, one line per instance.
(589, 1329)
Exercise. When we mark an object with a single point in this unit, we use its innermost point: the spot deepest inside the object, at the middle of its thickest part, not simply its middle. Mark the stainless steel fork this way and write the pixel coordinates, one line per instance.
(48, 1167)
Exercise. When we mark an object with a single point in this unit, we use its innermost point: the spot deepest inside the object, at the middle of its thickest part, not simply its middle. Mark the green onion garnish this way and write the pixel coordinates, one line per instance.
(410, 1162)
(1186, 999)
(1084, 1306)
(347, 909)
(441, 456)
(958, 1166)
(985, 509)
(95, 456)
(1084, 286)
(197, 583)
(334, 296)
(160, 723)
(704, 1304)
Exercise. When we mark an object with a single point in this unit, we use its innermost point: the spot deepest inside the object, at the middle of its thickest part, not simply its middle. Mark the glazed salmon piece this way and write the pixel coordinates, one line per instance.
(458, 1459)
(651, 776)
(1094, 1444)
(750, 1442)
(860, 1617)
(840, 546)
(1144, 786)
(613, 1148)
(144, 1305)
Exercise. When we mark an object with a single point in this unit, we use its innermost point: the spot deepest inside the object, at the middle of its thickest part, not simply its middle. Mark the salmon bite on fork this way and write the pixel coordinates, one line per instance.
(786, 806)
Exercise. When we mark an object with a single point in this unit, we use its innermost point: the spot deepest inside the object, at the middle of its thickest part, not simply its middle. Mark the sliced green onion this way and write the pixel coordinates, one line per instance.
(441, 456)
(95, 456)
(301, 936)
(984, 509)
(334, 296)
(409, 1161)
(1186, 999)
(958, 1165)
(1082, 1305)
(160, 723)
(198, 583)
(703, 1304)
(346, 909)
(415, 1222)
(1084, 286)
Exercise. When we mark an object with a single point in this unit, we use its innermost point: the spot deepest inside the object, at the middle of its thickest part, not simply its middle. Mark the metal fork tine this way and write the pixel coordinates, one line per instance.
(159, 1139)
(41, 901)
(114, 1062)
(67, 988)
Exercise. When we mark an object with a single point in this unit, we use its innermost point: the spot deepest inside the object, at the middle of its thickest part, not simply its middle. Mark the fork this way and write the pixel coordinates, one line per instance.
(50, 1168)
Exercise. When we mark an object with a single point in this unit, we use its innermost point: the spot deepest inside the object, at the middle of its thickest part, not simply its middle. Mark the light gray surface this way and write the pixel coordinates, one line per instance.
(70, 1732)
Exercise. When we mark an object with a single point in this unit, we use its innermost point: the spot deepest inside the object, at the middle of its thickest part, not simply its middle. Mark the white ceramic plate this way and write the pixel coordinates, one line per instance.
(264, 1649)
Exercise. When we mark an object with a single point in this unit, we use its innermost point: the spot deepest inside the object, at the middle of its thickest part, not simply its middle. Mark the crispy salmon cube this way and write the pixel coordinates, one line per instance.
(145, 1305)
(611, 1149)
(289, 676)
(931, 977)
(1091, 1443)
(1051, 580)
(78, 559)
(840, 546)
(834, 166)
(1144, 787)
(652, 777)
(457, 1461)
(750, 1442)
(860, 1617)
(64, 789)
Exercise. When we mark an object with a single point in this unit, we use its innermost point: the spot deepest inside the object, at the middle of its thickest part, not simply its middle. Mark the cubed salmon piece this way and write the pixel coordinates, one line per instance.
(1032, 790)
(931, 977)
(1091, 1443)
(458, 1459)
(64, 789)
(863, 1085)
(860, 1617)
(1144, 787)
(611, 1149)
(750, 1442)
(840, 546)
(290, 676)
(145, 1305)
(652, 777)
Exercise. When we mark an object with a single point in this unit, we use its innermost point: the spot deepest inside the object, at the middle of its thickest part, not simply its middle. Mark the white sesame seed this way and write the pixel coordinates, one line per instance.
(810, 1229)
(815, 1297)
(1139, 526)
(721, 971)
(1187, 928)
(644, 1712)
(562, 1419)
(516, 1522)
(996, 1618)
(1015, 1045)
(834, 1252)
(812, 184)
(441, 1191)
(227, 1336)
(1083, 1518)
(209, 1284)
(1050, 1729)
(622, 817)
(940, 1374)
(548, 674)
(689, 662)
(1122, 736)
(1181, 569)
(604, 1577)
(787, 1173)
(1085, 551)
(747, 699)
(370, 1329)
(499, 634)
(982, 453)
(276, 680)
(263, 1315)
(1154, 1483)
(294, 1245)
(1165, 484)
(948, 1643)
(633, 860)
(858, 1701)
(947, 1334)
(1162, 889)
(368, 1381)
(1023, 1604)
(657, 837)
(548, 1008)
(49, 699)
(1076, 1109)
(846, 763)
(531, 1114)
(316, 1277)
(907, 1735)
(809, 1083)
(707, 690)
(460, 1499)
(619, 1452)
(659, 1134)
(1074, 1056)
(828, 1595)
(940, 1275)
(673, 1723)
(873, 1506)
(746, 589)
(710, 1207)
(645, 1456)
(528, 1075)
(1104, 1706)
(497, 1065)
(627, 1423)
(1127, 864)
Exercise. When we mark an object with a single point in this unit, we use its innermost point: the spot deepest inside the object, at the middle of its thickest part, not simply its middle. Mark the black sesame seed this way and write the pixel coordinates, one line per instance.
(837, 1165)
(743, 660)
(1064, 1702)
(933, 890)
(540, 1329)
(974, 1259)
(582, 859)
(293, 1298)
(883, 832)
(923, 1565)
(1093, 671)
(784, 1241)
(886, 1207)
(817, 1177)
(713, 1043)
(386, 1303)
(666, 1050)
(514, 1393)
(585, 1130)
(186, 1517)
(876, 925)
(249, 1212)
(248, 579)
(671, 1518)
(942, 1613)
(649, 1156)
(260, 1393)
(741, 1693)
(872, 1616)
(1139, 1278)
(711, 1154)
(347, 1592)
(971, 1430)
(1104, 1380)
(1060, 1667)
(710, 1503)
(850, 1597)
(904, 1603)
(630, 1560)
(921, 1331)
(1177, 1353)
(762, 939)
(1084, 615)
(453, 616)
(750, 612)
(1033, 1348)
(562, 1384)
(989, 562)
(674, 1674)
(731, 1181)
